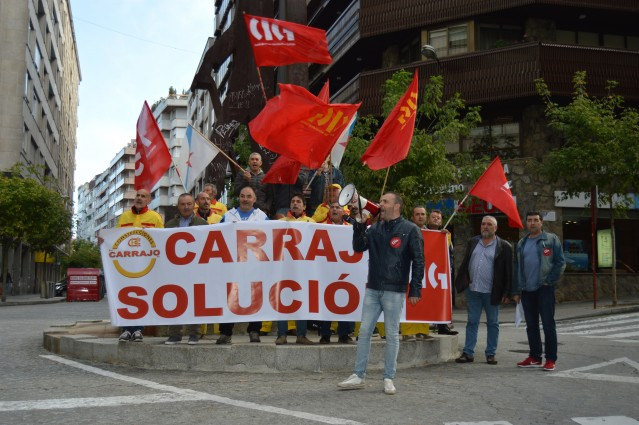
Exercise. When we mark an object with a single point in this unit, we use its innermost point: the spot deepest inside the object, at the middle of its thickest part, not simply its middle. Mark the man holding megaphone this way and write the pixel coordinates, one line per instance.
(396, 255)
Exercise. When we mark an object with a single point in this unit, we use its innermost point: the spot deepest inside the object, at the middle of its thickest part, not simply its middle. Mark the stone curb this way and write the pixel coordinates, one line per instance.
(97, 341)
(33, 302)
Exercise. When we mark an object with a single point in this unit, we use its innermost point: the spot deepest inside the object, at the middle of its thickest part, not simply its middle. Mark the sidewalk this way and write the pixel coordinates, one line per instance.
(565, 311)
(29, 299)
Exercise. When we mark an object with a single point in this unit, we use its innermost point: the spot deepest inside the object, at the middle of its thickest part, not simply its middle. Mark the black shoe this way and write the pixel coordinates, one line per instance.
(345, 339)
(491, 360)
(254, 336)
(464, 358)
(173, 340)
(445, 330)
(326, 339)
(193, 339)
(224, 339)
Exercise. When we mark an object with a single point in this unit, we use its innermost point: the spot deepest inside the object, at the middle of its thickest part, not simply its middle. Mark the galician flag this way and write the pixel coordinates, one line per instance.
(337, 153)
(196, 155)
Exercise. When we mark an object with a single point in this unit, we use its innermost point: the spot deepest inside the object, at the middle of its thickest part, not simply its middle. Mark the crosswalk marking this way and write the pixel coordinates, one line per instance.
(606, 420)
(619, 328)
(583, 372)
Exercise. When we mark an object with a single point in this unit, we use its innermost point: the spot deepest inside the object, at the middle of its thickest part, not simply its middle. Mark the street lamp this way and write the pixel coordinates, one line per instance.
(430, 52)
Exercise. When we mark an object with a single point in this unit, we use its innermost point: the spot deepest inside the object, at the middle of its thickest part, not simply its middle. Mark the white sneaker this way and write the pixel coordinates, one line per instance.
(353, 382)
(389, 388)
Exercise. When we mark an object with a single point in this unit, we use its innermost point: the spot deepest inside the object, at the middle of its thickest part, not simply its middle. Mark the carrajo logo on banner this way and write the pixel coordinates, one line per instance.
(269, 30)
(133, 250)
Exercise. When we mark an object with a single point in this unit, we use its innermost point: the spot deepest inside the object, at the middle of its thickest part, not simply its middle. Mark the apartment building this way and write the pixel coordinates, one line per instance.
(40, 75)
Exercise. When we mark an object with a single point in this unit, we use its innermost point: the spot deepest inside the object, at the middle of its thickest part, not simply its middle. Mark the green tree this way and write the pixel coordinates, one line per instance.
(83, 254)
(428, 172)
(30, 212)
(600, 148)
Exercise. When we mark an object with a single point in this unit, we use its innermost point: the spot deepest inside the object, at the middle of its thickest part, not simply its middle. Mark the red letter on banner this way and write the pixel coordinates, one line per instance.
(199, 307)
(215, 237)
(275, 296)
(353, 297)
(125, 298)
(180, 306)
(321, 237)
(233, 299)
(290, 244)
(171, 241)
(243, 245)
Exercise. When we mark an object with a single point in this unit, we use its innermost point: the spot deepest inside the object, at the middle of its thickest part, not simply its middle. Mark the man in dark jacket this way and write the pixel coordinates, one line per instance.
(485, 277)
(185, 218)
(396, 256)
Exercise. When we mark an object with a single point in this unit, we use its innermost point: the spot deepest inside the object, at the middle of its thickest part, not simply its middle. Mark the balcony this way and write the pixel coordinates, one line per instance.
(382, 17)
(509, 73)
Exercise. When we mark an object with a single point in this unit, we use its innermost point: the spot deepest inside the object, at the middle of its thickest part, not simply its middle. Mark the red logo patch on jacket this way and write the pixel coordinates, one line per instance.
(547, 252)
(395, 242)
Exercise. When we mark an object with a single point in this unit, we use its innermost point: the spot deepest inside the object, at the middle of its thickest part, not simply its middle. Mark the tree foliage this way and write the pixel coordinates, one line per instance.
(600, 141)
(83, 254)
(428, 172)
(31, 212)
(600, 148)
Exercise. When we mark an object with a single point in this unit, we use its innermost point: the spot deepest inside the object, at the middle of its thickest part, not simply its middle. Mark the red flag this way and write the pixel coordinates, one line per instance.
(277, 43)
(392, 141)
(300, 126)
(283, 171)
(152, 157)
(324, 94)
(493, 187)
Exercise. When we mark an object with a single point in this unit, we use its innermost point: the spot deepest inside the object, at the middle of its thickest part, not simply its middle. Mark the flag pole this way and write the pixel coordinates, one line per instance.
(455, 212)
(177, 171)
(221, 151)
(259, 76)
(385, 179)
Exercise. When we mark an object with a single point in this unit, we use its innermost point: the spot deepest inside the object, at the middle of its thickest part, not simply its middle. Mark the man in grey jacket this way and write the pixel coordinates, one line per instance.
(539, 263)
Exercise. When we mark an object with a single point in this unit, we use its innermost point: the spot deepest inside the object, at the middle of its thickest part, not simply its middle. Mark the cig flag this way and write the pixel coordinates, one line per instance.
(196, 155)
(392, 142)
(299, 125)
(277, 43)
(152, 157)
(493, 187)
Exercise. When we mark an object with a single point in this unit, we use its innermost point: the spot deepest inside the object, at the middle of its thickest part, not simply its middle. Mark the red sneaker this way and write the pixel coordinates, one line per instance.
(549, 365)
(530, 362)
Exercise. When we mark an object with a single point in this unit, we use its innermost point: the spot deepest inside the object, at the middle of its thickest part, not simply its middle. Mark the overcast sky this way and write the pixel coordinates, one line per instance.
(131, 51)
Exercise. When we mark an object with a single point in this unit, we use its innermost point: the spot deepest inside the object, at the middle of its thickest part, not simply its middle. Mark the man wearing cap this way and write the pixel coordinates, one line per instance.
(321, 213)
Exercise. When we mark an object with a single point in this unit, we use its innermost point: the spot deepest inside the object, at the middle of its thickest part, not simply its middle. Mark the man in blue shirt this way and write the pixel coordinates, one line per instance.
(539, 263)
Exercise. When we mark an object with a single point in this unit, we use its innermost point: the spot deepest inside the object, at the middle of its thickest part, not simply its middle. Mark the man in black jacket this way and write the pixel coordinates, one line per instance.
(485, 277)
(396, 255)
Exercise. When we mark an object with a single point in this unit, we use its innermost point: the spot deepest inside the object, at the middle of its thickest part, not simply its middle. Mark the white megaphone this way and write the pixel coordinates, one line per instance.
(349, 192)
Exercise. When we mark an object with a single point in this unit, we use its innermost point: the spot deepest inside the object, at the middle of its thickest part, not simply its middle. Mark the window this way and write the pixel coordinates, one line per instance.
(37, 58)
(410, 51)
(492, 36)
(493, 140)
(616, 41)
(449, 41)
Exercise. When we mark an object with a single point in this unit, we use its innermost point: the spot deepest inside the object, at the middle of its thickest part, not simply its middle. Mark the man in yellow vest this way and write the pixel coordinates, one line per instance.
(138, 216)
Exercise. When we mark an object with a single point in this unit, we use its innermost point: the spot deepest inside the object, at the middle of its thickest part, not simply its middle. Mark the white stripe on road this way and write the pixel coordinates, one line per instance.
(179, 394)
(606, 420)
(610, 318)
(621, 335)
(595, 325)
(579, 372)
(598, 331)
(72, 403)
(479, 423)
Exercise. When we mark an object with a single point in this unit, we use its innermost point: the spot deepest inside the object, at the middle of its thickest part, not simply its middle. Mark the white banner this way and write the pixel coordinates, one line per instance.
(233, 272)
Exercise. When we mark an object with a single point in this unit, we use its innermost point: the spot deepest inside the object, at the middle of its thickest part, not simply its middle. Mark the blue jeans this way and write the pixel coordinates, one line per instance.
(475, 302)
(540, 303)
(391, 303)
(300, 325)
(343, 328)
